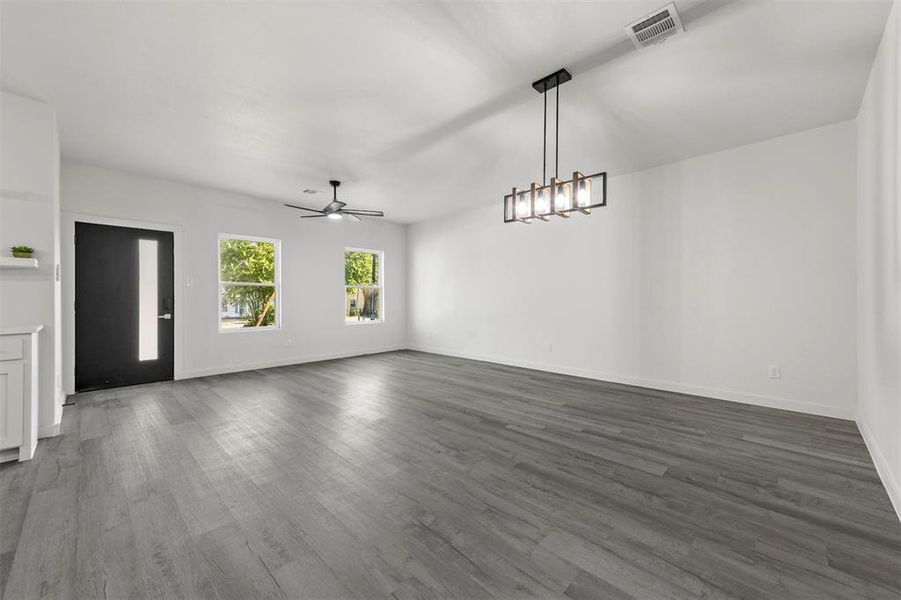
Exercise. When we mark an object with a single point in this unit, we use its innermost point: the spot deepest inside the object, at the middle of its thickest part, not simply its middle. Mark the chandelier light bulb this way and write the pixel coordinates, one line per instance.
(584, 196)
(522, 207)
(541, 202)
(562, 200)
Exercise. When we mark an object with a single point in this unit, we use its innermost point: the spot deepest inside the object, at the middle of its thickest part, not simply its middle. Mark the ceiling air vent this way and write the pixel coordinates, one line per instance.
(656, 27)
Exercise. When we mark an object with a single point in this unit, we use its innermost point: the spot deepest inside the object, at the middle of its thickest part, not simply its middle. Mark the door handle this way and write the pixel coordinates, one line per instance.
(165, 316)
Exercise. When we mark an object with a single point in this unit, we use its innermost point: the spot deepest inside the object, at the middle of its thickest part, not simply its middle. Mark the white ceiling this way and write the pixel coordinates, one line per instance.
(424, 107)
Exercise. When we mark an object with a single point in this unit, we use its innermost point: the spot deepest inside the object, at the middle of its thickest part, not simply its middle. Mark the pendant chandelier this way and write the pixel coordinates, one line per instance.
(555, 197)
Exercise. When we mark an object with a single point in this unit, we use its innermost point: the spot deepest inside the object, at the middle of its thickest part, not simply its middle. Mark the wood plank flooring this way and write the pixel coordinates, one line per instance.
(410, 475)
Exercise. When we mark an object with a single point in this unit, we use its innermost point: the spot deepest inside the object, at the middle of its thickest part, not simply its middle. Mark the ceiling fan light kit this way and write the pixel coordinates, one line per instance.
(557, 197)
(335, 210)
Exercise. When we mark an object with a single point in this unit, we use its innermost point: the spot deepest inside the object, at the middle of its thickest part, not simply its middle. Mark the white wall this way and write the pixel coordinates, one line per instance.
(29, 215)
(696, 277)
(879, 260)
(312, 270)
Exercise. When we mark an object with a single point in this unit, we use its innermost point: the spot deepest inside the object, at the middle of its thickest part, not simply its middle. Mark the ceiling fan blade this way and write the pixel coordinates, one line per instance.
(333, 206)
(364, 213)
(315, 210)
(312, 216)
(348, 216)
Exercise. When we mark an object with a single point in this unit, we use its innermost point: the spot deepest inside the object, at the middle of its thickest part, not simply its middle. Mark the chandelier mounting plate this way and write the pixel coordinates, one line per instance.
(551, 81)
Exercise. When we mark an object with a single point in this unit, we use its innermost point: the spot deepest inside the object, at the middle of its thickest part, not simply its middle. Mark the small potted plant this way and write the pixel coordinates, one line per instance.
(22, 251)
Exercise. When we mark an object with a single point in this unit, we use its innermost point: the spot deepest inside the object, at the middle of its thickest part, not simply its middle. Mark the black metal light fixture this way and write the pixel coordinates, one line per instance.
(557, 197)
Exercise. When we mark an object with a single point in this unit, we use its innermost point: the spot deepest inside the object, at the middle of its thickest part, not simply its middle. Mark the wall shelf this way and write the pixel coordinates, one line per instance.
(10, 262)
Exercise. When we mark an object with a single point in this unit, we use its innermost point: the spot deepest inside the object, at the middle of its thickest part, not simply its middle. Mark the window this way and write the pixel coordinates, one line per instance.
(148, 300)
(249, 286)
(363, 297)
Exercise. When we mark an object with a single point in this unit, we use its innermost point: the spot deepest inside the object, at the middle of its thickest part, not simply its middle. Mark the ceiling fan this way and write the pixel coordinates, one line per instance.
(335, 209)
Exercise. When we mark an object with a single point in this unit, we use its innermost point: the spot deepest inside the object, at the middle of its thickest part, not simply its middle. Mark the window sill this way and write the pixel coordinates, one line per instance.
(364, 322)
(248, 329)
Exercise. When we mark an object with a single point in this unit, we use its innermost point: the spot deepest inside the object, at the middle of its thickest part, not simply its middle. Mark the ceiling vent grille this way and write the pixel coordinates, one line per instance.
(656, 27)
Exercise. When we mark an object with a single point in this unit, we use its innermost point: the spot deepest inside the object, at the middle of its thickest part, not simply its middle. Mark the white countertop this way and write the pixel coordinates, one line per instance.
(20, 329)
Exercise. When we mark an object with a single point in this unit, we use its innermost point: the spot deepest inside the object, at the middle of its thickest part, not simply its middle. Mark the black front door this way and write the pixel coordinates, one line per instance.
(124, 301)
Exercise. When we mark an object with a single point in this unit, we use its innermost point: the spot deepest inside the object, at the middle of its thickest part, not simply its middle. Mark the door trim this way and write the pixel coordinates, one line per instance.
(67, 266)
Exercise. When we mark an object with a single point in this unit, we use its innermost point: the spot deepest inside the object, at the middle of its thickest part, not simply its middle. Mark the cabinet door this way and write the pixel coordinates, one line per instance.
(11, 402)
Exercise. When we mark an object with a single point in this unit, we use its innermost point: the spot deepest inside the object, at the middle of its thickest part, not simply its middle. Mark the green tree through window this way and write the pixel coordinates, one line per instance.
(362, 278)
(248, 290)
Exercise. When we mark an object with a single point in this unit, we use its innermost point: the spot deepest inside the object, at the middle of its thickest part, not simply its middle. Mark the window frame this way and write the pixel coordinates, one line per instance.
(381, 286)
(277, 283)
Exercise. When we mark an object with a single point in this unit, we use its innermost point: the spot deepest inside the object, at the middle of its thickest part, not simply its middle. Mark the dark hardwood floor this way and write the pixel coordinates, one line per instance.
(411, 475)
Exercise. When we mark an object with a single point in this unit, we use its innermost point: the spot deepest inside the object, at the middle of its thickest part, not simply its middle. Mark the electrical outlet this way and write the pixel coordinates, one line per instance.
(549, 347)
(774, 372)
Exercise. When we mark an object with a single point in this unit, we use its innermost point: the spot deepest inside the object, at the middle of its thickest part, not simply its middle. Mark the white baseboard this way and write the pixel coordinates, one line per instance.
(192, 373)
(48, 431)
(891, 485)
(822, 410)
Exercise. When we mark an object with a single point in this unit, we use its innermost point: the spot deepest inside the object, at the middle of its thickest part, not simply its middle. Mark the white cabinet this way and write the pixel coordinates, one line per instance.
(12, 391)
(18, 392)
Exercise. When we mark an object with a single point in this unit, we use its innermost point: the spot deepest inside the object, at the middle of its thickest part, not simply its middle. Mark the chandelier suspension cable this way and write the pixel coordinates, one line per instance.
(556, 133)
(544, 145)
